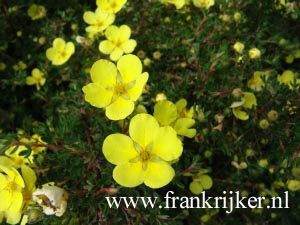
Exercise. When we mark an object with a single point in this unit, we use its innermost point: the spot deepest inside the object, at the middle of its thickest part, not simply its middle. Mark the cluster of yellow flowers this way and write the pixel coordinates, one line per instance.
(18, 192)
(146, 155)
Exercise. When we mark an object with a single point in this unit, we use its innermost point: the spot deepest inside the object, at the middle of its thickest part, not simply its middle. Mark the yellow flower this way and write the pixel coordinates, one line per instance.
(238, 47)
(11, 185)
(254, 53)
(177, 3)
(200, 182)
(117, 42)
(169, 114)
(288, 78)
(110, 6)
(206, 4)
(60, 52)
(98, 21)
(52, 199)
(18, 160)
(36, 12)
(247, 102)
(145, 156)
(256, 83)
(116, 88)
(293, 185)
(2, 66)
(37, 78)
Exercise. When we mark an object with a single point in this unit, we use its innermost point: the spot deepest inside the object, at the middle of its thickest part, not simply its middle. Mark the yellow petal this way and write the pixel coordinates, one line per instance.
(129, 46)
(166, 144)
(250, 100)
(36, 73)
(196, 188)
(183, 125)
(165, 112)
(116, 54)
(119, 109)
(59, 44)
(112, 33)
(106, 47)
(143, 129)
(70, 48)
(5, 161)
(96, 95)
(17, 202)
(130, 67)
(118, 149)
(89, 17)
(237, 104)
(31, 81)
(125, 33)
(6, 199)
(136, 91)
(13, 217)
(3, 181)
(158, 174)
(29, 177)
(129, 174)
(238, 113)
(50, 53)
(104, 73)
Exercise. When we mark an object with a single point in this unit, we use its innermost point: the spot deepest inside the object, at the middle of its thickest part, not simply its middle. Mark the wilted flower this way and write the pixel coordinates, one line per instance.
(248, 101)
(254, 53)
(145, 156)
(60, 52)
(52, 199)
(36, 11)
(110, 6)
(116, 88)
(205, 4)
(98, 21)
(117, 42)
(37, 78)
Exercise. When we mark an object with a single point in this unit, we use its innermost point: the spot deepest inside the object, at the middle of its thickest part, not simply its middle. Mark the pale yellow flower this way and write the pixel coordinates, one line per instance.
(37, 78)
(206, 4)
(110, 6)
(98, 21)
(118, 42)
(254, 53)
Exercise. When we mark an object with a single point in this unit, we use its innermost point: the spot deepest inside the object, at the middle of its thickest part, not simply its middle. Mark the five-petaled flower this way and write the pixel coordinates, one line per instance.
(145, 156)
(98, 21)
(111, 6)
(115, 88)
(60, 52)
(117, 42)
(37, 78)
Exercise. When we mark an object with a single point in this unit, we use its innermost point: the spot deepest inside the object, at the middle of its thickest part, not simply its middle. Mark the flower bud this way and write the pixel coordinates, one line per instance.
(254, 53)
(272, 115)
(264, 124)
(238, 47)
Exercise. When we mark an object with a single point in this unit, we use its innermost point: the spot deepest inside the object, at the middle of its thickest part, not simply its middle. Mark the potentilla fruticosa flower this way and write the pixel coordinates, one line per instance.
(145, 155)
(37, 78)
(60, 52)
(110, 6)
(116, 88)
(118, 42)
(98, 21)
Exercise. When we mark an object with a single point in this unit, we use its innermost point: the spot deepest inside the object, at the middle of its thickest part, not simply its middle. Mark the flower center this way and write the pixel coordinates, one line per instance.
(119, 89)
(12, 187)
(144, 156)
